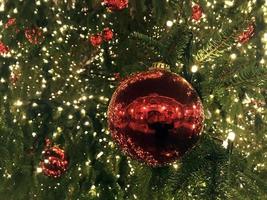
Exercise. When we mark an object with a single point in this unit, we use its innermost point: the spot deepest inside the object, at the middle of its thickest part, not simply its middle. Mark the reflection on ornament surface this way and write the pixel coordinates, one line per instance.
(155, 116)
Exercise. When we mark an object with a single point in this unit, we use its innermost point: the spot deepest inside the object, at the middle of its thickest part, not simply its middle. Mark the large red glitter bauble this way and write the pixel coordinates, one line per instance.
(114, 5)
(155, 116)
(54, 162)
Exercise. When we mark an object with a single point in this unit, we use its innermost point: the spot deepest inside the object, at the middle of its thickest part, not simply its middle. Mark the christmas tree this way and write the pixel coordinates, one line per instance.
(62, 60)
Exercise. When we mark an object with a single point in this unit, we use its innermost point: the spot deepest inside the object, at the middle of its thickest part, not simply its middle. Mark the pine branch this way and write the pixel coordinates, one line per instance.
(214, 49)
(160, 9)
(252, 75)
(176, 41)
(148, 40)
(171, 46)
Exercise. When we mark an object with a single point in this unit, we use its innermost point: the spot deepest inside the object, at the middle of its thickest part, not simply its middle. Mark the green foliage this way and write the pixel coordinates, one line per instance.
(237, 77)
(171, 47)
(252, 76)
(66, 83)
(216, 47)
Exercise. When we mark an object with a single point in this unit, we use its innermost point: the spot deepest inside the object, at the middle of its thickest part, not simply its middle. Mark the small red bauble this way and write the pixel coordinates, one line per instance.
(155, 117)
(107, 34)
(54, 162)
(10, 22)
(247, 34)
(3, 48)
(11, 25)
(34, 35)
(196, 12)
(96, 40)
(114, 5)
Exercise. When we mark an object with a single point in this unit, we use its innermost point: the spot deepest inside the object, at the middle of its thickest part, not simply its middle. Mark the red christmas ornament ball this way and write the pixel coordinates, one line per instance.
(10, 25)
(114, 5)
(3, 48)
(96, 40)
(107, 34)
(155, 117)
(196, 12)
(34, 35)
(54, 162)
(10, 22)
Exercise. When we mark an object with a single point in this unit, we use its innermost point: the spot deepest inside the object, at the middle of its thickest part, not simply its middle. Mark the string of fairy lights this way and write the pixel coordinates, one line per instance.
(38, 83)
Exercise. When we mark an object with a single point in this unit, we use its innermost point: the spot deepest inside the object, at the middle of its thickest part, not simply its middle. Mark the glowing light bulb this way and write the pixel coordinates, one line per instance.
(225, 144)
(169, 23)
(18, 103)
(194, 68)
(99, 155)
(231, 136)
(39, 170)
(233, 56)
(175, 166)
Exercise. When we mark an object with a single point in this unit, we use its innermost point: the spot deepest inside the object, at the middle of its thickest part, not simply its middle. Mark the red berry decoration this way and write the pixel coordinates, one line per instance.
(3, 48)
(115, 5)
(34, 35)
(54, 162)
(196, 12)
(155, 116)
(96, 40)
(107, 34)
(247, 34)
